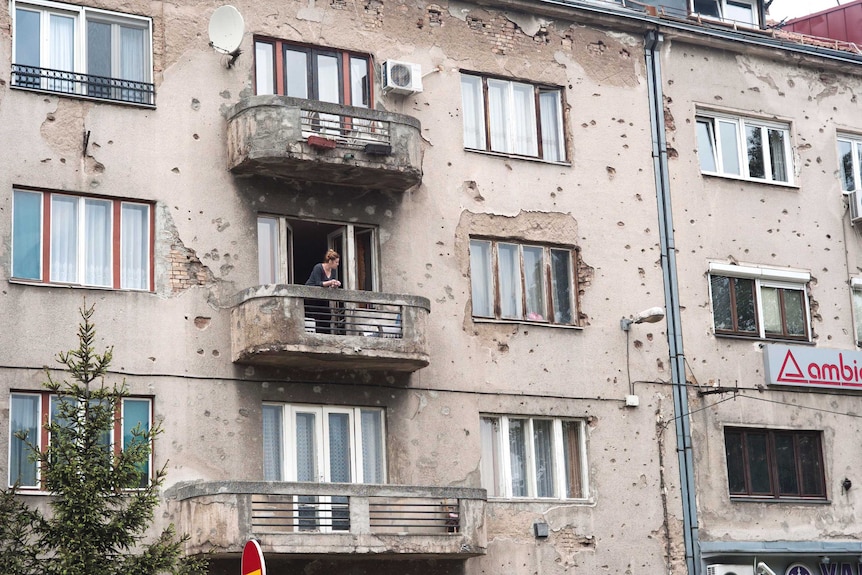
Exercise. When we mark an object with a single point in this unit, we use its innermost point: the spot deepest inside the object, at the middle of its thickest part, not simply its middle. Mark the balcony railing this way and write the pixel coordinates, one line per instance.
(307, 140)
(332, 518)
(83, 85)
(310, 327)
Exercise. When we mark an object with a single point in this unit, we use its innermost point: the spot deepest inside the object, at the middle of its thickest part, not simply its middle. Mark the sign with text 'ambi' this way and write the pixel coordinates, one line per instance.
(812, 366)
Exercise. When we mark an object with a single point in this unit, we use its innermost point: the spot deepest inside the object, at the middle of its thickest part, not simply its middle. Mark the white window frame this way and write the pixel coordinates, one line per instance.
(854, 142)
(763, 278)
(856, 298)
(741, 124)
(81, 16)
(723, 5)
(476, 103)
(116, 240)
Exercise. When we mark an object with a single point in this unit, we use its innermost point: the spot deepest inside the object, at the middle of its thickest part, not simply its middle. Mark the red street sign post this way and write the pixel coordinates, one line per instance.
(252, 559)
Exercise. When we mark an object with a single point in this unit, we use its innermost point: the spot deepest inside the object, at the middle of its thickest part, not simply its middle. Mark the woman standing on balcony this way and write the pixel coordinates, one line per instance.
(323, 275)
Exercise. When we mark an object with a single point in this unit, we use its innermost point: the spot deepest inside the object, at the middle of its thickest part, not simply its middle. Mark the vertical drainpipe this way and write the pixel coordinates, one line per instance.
(652, 46)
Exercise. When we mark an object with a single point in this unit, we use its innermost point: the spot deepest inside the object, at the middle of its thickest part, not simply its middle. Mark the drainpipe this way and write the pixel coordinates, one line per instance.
(652, 46)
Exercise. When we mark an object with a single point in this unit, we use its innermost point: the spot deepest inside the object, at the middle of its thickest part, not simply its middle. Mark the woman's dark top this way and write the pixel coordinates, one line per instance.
(318, 276)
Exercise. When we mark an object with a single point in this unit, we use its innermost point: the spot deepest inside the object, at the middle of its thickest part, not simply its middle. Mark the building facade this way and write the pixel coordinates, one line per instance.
(503, 181)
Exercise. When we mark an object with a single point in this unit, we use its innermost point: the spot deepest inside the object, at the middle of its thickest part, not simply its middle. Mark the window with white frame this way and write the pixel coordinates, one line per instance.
(850, 162)
(856, 294)
(82, 51)
(759, 302)
(29, 409)
(744, 148)
(738, 11)
(533, 457)
(513, 117)
(81, 240)
(523, 282)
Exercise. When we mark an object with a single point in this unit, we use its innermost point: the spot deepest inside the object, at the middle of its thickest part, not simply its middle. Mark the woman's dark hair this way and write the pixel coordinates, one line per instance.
(331, 256)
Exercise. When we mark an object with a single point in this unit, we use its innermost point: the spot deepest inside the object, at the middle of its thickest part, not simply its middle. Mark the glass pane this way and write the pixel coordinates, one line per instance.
(739, 12)
(785, 459)
(746, 314)
(132, 54)
(518, 456)
(296, 73)
(264, 68)
(24, 419)
(543, 448)
(845, 153)
(473, 105)
(794, 311)
(758, 463)
(499, 113)
(551, 116)
(359, 82)
(811, 464)
(339, 448)
(267, 250)
(480, 276)
(509, 269)
(99, 49)
(491, 463)
(561, 286)
(534, 283)
(572, 455)
(706, 145)
(778, 155)
(771, 310)
(136, 418)
(857, 313)
(61, 52)
(523, 119)
(734, 454)
(306, 448)
(722, 313)
(135, 246)
(327, 79)
(707, 7)
(858, 169)
(27, 235)
(97, 242)
(727, 132)
(272, 445)
(64, 239)
(372, 446)
(756, 160)
(27, 36)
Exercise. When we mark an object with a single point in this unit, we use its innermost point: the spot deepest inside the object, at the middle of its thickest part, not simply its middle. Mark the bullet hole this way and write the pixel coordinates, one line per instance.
(200, 351)
(196, 137)
(216, 353)
(196, 104)
(176, 170)
(202, 322)
(611, 172)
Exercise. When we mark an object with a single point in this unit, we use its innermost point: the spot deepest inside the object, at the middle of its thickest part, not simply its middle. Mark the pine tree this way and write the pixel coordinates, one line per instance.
(101, 501)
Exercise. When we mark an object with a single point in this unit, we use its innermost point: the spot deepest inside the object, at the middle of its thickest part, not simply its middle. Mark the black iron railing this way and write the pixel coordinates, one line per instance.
(84, 85)
(352, 318)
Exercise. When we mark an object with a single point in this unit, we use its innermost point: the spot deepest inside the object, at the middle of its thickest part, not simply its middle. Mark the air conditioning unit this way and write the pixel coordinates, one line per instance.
(855, 200)
(401, 77)
(723, 569)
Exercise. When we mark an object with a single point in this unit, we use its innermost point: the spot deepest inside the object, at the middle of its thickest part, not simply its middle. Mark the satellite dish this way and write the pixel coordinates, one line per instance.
(226, 30)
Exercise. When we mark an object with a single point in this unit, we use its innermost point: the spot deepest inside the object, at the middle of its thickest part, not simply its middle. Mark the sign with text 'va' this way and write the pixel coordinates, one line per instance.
(812, 366)
(252, 559)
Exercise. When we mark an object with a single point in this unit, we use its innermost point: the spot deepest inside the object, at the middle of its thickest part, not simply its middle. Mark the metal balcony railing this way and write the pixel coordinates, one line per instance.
(83, 85)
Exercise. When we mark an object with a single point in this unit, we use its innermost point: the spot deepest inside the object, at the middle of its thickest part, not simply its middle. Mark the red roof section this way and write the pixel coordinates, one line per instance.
(839, 23)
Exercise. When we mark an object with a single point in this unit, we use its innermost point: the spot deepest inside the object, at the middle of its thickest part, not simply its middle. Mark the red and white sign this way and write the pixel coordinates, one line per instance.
(812, 366)
(252, 559)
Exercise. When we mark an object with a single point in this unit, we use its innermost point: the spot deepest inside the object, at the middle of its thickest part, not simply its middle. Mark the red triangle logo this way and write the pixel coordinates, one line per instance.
(790, 371)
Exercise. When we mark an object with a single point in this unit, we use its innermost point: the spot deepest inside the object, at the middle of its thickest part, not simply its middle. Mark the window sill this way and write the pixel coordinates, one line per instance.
(759, 339)
(788, 185)
(25, 282)
(517, 157)
(526, 322)
(74, 96)
(543, 500)
(778, 500)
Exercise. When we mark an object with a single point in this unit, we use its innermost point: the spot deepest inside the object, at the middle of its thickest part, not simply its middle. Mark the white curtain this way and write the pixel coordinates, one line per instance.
(480, 273)
(473, 106)
(62, 50)
(498, 112)
(491, 464)
(523, 117)
(306, 447)
(267, 250)
(24, 418)
(777, 153)
(728, 135)
(543, 448)
(551, 115)
(272, 450)
(97, 242)
(264, 68)
(64, 239)
(372, 446)
(510, 281)
(134, 246)
(518, 456)
(534, 283)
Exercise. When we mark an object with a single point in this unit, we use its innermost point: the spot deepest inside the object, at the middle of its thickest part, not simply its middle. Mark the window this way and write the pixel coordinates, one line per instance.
(82, 51)
(856, 291)
(288, 249)
(533, 457)
(774, 463)
(742, 11)
(850, 157)
(761, 303)
(312, 73)
(28, 412)
(513, 118)
(744, 148)
(322, 444)
(81, 240)
(522, 282)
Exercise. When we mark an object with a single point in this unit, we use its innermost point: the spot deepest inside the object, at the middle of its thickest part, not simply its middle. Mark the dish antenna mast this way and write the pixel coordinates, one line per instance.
(226, 30)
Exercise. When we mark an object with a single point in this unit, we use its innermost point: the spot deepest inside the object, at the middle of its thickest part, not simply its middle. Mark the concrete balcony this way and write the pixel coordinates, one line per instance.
(319, 328)
(313, 141)
(306, 519)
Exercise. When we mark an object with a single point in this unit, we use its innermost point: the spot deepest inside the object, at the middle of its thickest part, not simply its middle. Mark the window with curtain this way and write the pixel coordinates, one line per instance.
(513, 118)
(80, 240)
(533, 457)
(51, 42)
(759, 303)
(133, 416)
(850, 162)
(522, 282)
(744, 148)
